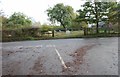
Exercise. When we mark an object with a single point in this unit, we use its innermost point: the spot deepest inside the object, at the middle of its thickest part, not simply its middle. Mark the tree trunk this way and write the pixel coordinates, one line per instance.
(64, 26)
(85, 32)
(96, 16)
(119, 27)
(105, 31)
(52, 33)
(97, 30)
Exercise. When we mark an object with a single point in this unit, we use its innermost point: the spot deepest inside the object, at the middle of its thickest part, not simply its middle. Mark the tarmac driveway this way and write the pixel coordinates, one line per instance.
(93, 56)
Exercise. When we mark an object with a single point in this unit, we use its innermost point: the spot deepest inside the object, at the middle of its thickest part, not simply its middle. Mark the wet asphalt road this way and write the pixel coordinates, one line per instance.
(93, 56)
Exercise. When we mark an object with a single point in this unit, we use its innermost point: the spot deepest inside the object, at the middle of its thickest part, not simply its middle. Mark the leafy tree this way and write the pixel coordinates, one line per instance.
(116, 12)
(84, 24)
(93, 12)
(61, 13)
(75, 25)
(112, 15)
(4, 21)
(79, 25)
(19, 19)
(116, 16)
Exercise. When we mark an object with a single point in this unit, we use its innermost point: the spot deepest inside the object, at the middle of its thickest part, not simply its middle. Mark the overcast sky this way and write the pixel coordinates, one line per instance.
(35, 8)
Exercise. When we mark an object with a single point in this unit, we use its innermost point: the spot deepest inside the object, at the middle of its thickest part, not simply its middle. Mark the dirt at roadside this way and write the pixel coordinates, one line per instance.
(38, 67)
(73, 66)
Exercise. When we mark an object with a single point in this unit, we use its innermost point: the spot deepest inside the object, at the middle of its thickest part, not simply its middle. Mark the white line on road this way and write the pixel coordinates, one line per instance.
(63, 63)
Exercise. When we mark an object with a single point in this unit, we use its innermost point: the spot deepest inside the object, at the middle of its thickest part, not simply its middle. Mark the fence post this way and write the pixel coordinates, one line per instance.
(52, 33)
(84, 31)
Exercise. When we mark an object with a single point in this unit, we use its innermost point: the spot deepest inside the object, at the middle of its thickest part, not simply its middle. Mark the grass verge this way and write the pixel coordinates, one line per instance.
(61, 36)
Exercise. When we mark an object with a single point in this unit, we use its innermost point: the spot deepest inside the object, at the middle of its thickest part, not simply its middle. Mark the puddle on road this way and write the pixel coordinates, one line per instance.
(73, 66)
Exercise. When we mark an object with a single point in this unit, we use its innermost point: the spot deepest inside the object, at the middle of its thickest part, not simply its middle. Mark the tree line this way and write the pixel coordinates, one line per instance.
(91, 13)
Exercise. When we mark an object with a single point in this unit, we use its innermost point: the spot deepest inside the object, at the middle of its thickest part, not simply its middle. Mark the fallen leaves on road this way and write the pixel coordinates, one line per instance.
(11, 68)
(73, 66)
(7, 53)
(38, 67)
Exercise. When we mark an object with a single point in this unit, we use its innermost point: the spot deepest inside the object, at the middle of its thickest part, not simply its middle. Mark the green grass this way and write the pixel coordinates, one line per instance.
(72, 34)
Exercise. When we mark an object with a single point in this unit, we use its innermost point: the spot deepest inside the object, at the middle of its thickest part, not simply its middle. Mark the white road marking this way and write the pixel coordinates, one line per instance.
(38, 46)
(63, 63)
(29, 46)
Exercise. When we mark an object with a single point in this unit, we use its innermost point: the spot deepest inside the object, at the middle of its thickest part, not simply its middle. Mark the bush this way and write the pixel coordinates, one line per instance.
(45, 28)
(24, 32)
